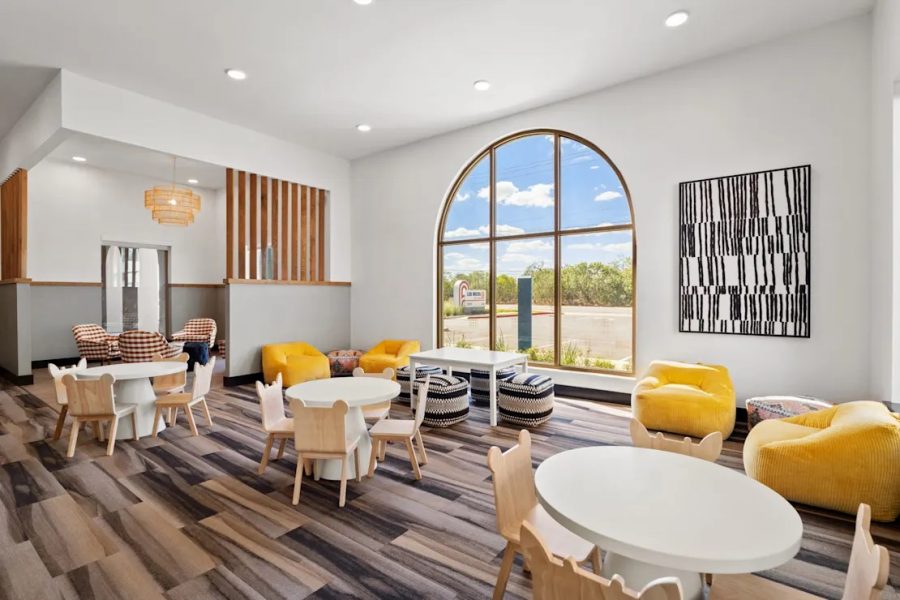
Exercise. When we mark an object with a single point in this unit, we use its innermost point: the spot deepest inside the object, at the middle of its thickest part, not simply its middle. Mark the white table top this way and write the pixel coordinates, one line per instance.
(122, 371)
(469, 356)
(355, 391)
(669, 510)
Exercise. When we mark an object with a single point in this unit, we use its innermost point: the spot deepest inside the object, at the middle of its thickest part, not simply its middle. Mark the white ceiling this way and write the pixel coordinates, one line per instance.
(318, 67)
(116, 156)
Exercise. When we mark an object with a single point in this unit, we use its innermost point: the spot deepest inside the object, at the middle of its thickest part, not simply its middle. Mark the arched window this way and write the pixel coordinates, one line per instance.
(536, 254)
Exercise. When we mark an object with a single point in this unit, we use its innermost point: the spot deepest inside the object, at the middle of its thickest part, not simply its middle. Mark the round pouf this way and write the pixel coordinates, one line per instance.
(403, 378)
(448, 400)
(342, 362)
(481, 384)
(525, 399)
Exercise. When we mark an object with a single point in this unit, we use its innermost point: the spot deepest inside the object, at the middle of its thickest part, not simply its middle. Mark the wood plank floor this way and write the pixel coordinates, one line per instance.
(185, 517)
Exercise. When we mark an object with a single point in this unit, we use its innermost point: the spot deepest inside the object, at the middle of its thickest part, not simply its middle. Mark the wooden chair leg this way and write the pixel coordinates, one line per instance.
(356, 464)
(307, 466)
(98, 430)
(373, 455)
(422, 447)
(171, 416)
(156, 417)
(298, 480)
(382, 450)
(113, 427)
(281, 445)
(73, 438)
(134, 431)
(265, 456)
(413, 460)
(189, 412)
(315, 469)
(206, 412)
(596, 561)
(505, 567)
(60, 421)
(343, 497)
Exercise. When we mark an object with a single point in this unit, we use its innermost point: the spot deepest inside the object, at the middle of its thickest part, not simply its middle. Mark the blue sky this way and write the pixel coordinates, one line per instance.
(591, 195)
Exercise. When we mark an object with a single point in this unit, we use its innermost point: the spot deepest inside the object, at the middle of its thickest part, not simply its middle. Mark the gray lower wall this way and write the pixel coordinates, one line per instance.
(55, 309)
(268, 314)
(15, 328)
(197, 302)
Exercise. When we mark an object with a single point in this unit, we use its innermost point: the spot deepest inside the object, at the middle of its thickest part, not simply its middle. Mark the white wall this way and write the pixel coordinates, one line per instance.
(73, 208)
(36, 132)
(804, 99)
(885, 214)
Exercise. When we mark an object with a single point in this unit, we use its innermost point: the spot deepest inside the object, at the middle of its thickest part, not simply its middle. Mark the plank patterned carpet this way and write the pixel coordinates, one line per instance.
(187, 518)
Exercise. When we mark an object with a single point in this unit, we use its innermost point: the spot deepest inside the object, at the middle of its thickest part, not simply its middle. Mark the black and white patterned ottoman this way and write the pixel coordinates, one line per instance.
(448, 400)
(480, 382)
(403, 378)
(525, 399)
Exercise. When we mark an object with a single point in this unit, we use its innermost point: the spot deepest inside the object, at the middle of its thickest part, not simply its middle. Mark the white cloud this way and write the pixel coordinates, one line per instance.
(619, 249)
(461, 232)
(606, 196)
(518, 258)
(469, 263)
(454, 256)
(594, 167)
(508, 229)
(528, 246)
(502, 229)
(539, 195)
(582, 158)
(462, 196)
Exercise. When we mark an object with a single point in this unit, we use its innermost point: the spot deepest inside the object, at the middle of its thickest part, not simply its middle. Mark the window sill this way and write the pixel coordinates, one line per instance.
(598, 381)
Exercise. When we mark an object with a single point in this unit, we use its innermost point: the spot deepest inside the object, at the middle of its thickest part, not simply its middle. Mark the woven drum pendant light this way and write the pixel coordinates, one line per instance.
(172, 205)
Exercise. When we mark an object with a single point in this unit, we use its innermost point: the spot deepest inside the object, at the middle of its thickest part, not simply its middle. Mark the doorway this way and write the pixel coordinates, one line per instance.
(135, 284)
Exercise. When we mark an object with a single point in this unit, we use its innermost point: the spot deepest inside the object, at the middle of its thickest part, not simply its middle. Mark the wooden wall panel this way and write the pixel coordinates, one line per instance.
(242, 224)
(275, 265)
(14, 226)
(263, 226)
(320, 211)
(282, 215)
(304, 233)
(229, 223)
(313, 235)
(295, 218)
(253, 258)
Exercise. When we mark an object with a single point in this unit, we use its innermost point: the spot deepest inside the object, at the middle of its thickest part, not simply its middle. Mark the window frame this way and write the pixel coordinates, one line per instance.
(557, 233)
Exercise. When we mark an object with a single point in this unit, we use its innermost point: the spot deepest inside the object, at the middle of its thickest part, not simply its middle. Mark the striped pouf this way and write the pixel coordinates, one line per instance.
(480, 381)
(448, 400)
(525, 399)
(403, 379)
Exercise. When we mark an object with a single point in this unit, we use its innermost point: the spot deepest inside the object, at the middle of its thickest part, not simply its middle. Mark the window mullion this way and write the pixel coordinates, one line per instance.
(557, 279)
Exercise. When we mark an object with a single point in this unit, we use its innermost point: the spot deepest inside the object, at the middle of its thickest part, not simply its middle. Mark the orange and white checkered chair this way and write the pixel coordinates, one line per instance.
(197, 330)
(142, 346)
(94, 343)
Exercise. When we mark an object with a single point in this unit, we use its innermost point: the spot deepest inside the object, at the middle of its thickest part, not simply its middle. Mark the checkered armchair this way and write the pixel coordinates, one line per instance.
(142, 346)
(197, 330)
(94, 343)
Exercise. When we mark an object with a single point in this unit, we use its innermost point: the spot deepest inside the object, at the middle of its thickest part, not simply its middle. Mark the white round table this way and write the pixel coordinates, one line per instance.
(357, 392)
(662, 514)
(134, 386)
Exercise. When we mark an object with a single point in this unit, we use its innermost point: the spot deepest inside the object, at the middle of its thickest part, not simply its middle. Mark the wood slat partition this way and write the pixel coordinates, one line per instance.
(282, 215)
(14, 226)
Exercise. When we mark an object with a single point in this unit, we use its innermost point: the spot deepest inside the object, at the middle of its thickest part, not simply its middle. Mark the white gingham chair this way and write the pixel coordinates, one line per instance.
(142, 346)
(94, 343)
(197, 330)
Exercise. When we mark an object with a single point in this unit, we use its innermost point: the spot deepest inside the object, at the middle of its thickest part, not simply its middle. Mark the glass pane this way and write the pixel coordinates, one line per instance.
(469, 215)
(526, 298)
(524, 187)
(597, 300)
(466, 295)
(591, 194)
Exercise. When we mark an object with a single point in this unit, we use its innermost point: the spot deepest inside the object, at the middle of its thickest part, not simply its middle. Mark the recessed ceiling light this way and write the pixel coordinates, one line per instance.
(482, 85)
(79, 159)
(363, 2)
(364, 128)
(677, 18)
(236, 74)
(193, 181)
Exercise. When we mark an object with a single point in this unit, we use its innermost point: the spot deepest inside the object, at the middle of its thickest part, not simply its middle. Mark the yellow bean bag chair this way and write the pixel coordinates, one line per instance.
(690, 399)
(296, 361)
(388, 353)
(835, 458)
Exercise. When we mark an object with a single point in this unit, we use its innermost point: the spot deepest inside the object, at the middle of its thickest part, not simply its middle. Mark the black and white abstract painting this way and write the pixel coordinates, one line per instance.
(744, 254)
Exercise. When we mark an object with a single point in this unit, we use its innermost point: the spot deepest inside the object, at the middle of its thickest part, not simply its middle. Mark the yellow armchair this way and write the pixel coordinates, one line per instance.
(835, 458)
(690, 399)
(388, 354)
(296, 361)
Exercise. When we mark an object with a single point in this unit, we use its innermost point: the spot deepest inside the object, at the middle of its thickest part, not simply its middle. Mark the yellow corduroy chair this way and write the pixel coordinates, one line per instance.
(690, 399)
(387, 354)
(835, 458)
(296, 361)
